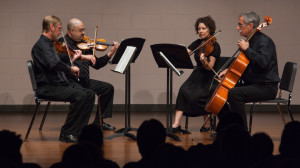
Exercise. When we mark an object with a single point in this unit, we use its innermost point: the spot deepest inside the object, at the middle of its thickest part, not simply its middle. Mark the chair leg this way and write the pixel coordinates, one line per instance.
(186, 123)
(207, 118)
(213, 123)
(44, 116)
(99, 112)
(250, 118)
(289, 107)
(32, 120)
(280, 113)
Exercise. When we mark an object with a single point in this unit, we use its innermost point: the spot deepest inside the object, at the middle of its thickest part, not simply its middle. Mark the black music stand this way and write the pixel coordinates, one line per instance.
(138, 43)
(178, 56)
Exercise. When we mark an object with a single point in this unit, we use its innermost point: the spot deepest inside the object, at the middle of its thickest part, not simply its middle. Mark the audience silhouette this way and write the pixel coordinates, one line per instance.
(90, 143)
(261, 151)
(169, 156)
(213, 155)
(289, 147)
(77, 156)
(233, 147)
(92, 137)
(150, 134)
(10, 154)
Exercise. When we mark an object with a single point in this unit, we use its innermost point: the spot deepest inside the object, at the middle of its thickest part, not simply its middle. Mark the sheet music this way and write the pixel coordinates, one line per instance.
(170, 64)
(125, 59)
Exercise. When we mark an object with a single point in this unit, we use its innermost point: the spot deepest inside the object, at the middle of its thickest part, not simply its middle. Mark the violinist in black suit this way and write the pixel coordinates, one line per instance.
(75, 35)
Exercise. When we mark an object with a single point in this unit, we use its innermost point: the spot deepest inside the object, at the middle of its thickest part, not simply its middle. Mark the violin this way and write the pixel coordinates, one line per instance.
(87, 44)
(62, 49)
(208, 46)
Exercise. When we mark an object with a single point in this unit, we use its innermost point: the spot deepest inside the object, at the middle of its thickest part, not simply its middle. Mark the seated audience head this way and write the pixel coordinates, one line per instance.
(229, 119)
(150, 134)
(10, 154)
(261, 146)
(233, 144)
(290, 139)
(92, 135)
(77, 156)
(10, 146)
(169, 156)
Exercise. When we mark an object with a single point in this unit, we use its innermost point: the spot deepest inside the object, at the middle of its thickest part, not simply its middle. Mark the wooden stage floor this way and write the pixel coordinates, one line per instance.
(45, 149)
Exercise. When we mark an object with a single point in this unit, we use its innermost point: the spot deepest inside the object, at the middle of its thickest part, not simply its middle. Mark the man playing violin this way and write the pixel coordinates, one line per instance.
(76, 31)
(52, 83)
(260, 79)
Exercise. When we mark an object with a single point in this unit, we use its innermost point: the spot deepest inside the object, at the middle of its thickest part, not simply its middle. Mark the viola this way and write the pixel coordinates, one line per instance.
(87, 44)
(232, 76)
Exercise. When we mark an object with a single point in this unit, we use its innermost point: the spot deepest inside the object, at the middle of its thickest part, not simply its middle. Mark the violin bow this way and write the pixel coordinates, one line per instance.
(95, 38)
(68, 51)
(67, 46)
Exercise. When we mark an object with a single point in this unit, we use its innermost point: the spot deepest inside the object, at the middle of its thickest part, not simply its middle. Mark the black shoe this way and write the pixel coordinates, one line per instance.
(106, 126)
(204, 129)
(68, 138)
(177, 129)
(213, 135)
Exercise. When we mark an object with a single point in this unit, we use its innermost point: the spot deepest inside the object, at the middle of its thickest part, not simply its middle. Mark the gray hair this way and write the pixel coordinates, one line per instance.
(251, 17)
(73, 23)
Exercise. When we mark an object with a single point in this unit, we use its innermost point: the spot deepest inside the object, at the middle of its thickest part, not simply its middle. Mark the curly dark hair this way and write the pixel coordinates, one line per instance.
(208, 21)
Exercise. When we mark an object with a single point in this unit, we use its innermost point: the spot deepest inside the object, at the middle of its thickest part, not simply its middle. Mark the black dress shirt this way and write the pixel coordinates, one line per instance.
(83, 65)
(48, 67)
(263, 67)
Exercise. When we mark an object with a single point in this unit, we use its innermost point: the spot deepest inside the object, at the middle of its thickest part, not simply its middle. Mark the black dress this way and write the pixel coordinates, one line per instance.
(195, 91)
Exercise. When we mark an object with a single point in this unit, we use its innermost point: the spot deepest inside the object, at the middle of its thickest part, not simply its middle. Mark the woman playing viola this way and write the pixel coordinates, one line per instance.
(195, 91)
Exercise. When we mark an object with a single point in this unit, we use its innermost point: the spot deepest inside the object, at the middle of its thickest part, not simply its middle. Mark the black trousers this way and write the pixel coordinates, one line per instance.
(106, 92)
(81, 104)
(239, 95)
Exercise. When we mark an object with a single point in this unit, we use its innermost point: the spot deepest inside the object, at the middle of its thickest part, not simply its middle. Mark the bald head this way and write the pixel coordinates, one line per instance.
(74, 23)
(76, 29)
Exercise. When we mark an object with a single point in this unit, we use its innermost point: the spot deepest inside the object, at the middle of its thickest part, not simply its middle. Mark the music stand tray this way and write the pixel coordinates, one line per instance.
(137, 44)
(176, 56)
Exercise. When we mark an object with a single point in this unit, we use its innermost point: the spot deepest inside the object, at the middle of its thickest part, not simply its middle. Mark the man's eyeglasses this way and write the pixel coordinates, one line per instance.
(241, 25)
(59, 28)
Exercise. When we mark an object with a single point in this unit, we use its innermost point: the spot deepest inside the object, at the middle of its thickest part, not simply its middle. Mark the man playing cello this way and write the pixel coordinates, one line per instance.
(260, 78)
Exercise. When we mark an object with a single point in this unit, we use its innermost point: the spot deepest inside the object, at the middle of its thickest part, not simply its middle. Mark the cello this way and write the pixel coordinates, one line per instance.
(233, 74)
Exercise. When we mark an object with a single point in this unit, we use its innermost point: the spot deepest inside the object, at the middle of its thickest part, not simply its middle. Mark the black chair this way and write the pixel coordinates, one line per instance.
(222, 61)
(39, 100)
(286, 84)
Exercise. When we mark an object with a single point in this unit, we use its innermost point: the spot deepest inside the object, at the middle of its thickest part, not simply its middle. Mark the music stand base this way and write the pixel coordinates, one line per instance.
(125, 130)
(173, 136)
(127, 134)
